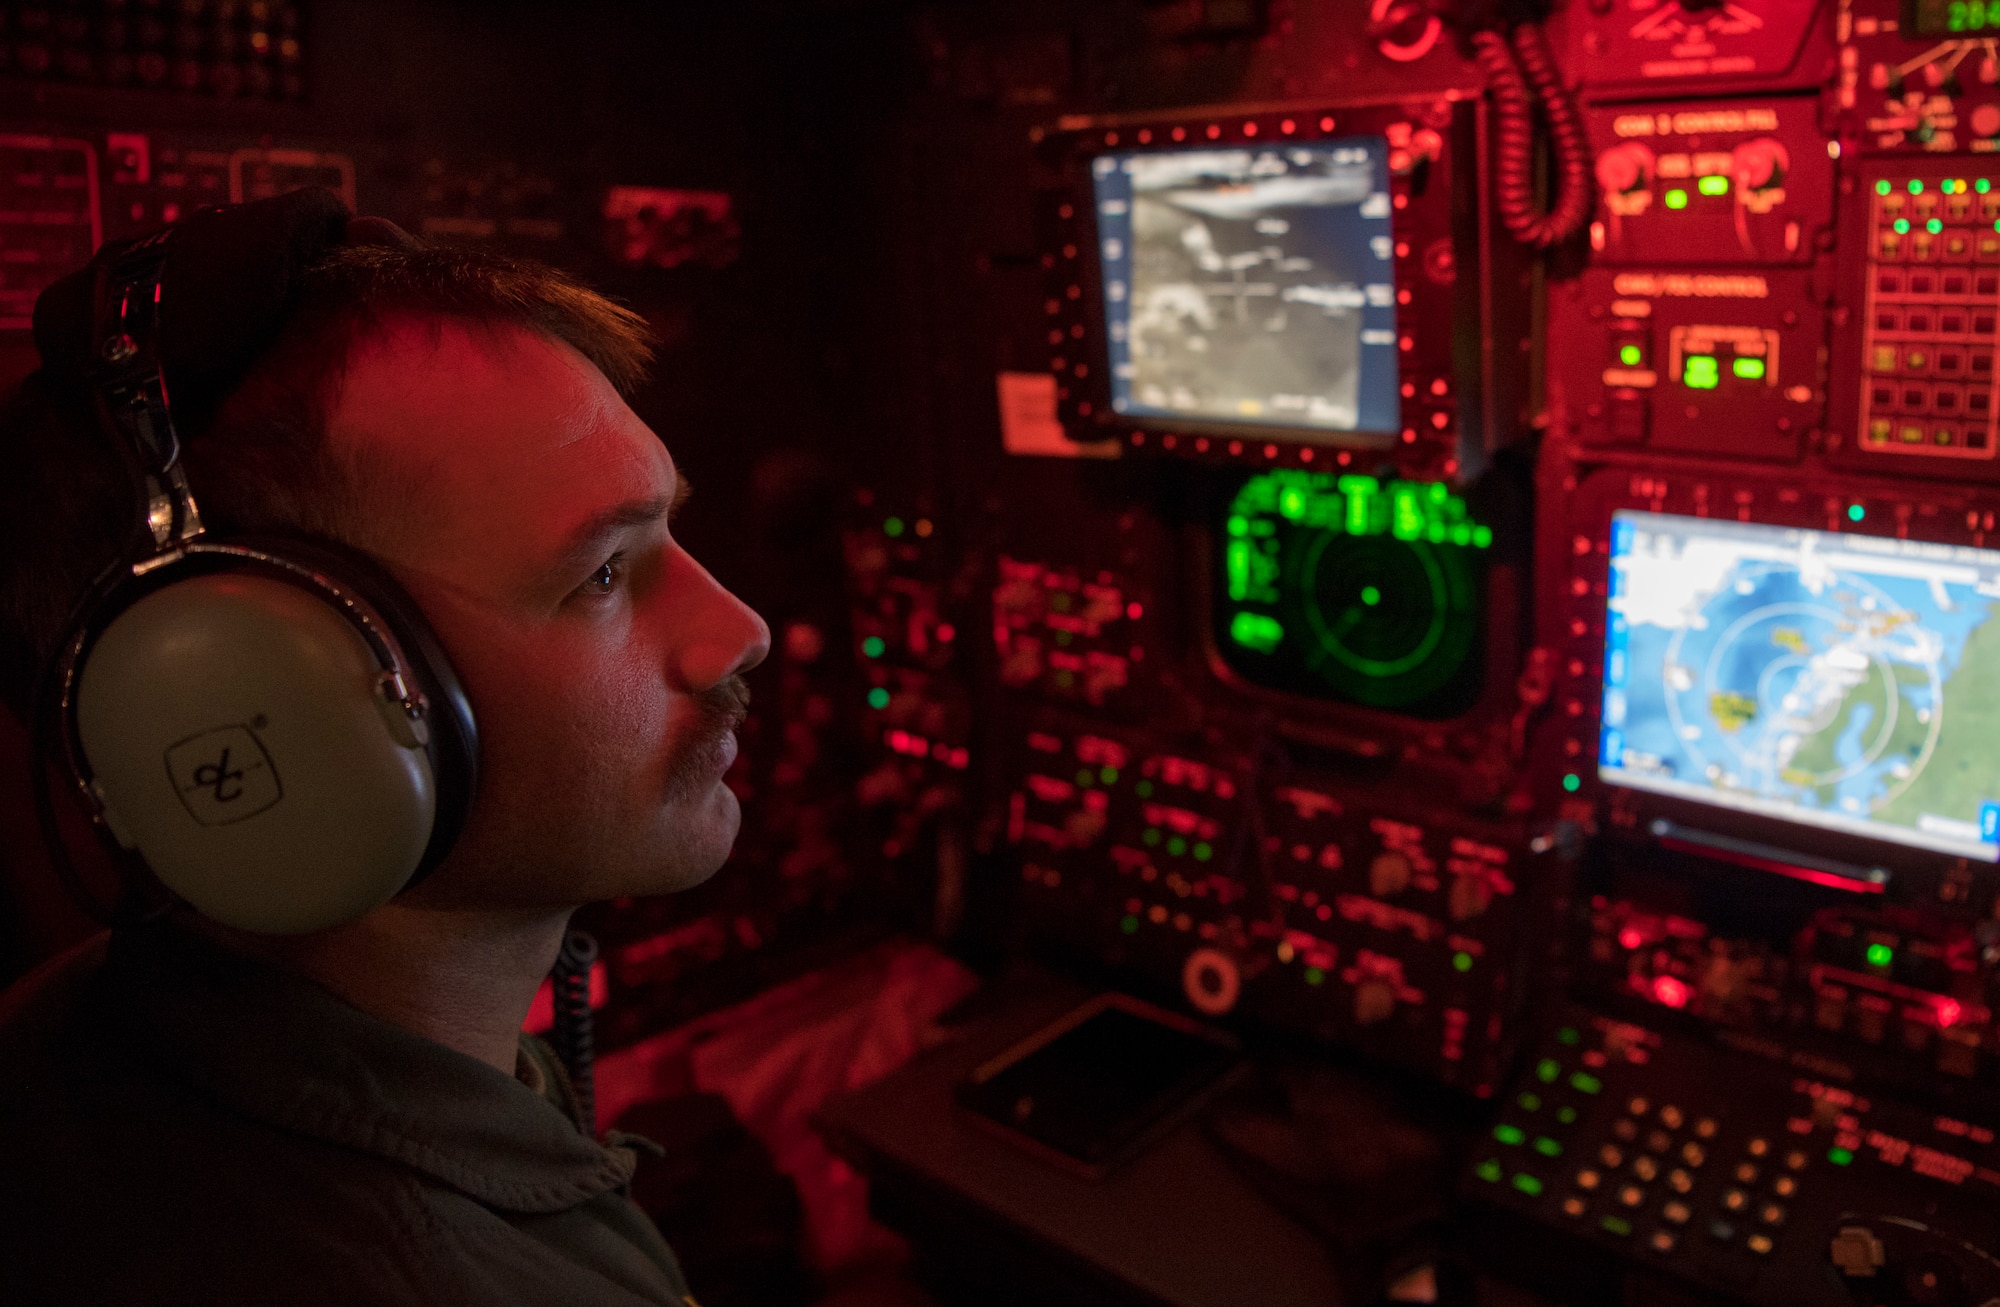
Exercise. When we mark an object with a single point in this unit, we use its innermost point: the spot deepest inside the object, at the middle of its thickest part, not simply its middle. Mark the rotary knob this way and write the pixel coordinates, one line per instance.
(1856, 1252)
(1374, 1000)
(1760, 165)
(1469, 897)
(1625, 168)
(1211, 980)
(1388, 874)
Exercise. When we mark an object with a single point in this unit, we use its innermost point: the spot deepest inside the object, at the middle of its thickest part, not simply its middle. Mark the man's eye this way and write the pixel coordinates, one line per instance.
(605, 579)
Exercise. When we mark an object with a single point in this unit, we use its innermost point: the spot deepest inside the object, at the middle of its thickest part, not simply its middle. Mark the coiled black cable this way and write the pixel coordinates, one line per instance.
(1521, 71)
(571, 1033)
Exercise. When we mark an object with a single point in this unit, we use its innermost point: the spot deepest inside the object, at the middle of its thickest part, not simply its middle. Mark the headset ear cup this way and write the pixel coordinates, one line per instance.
(185, 680)
(232, 728)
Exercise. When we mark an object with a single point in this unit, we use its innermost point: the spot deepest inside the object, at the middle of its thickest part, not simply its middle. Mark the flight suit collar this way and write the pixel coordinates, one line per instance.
(278, 1049)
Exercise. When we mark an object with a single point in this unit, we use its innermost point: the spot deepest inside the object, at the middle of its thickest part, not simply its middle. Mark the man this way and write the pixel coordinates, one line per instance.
(197, 1114)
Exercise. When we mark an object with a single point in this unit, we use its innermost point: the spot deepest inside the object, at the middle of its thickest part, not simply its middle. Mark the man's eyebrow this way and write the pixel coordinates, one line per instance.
(588, 538)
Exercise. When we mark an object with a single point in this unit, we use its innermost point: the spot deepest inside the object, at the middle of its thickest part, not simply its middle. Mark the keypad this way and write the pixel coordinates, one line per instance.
(1929, 324)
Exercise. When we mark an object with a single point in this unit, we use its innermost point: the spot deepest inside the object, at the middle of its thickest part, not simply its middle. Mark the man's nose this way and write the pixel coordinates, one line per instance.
(725, 637)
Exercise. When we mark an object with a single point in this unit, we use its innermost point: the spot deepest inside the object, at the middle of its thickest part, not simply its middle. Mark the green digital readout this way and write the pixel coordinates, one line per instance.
(1951, 17)
(1353, 588)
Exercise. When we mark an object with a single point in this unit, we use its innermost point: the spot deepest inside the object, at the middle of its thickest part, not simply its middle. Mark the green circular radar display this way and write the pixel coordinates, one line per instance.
(1354, 589)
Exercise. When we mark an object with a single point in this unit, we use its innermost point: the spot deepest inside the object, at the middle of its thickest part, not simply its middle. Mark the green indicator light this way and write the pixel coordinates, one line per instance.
(1255, 631)
(893, 527)
(1840, 1156)
(1713, 186)
(1292, 503)
(1882, 187)
(1489, 1171)
(1176, 846)
(1982, 185)
(1239, 525)
(1109, 775)
(1482, 536)
(1130, 925)
(1902, 226)
(1880, 955)
(1370, 595)
(1855, 512)
(1617, 1225)
(1572, 782)
(1934, 226)
(1203, 852)
(1461, 962)
(1630, 355)
(1530, 1102)
(878, 698)
(1585, 1083)
(1528, 1185)
(1677, 199)
(1314, 976)
(1568, 1035)
(1547, 1070)
(1144, 789)
(1085, 779)
(1151, 838)
(1916, 187)
(873, 646)
(1566, 1116)
(1509, 1134)
(1700, 372)
(1548, 1147)
(1750, 369)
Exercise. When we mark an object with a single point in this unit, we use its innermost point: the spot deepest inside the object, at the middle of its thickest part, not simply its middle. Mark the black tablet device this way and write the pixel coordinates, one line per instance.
(1091, 1089)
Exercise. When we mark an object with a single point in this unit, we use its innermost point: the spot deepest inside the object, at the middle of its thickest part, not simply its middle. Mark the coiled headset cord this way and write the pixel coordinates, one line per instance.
(570, 1033)
(1521, 71)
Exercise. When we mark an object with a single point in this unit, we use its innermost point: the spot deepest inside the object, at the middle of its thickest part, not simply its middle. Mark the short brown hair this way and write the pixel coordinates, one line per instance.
(69, 506)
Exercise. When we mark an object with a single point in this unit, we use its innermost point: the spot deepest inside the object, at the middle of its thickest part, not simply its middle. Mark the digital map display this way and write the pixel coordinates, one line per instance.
(1844, 681)
(1251, 285)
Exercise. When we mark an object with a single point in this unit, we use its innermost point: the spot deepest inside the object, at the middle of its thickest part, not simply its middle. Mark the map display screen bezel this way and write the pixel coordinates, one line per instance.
(1861, 555)
(1378, 413)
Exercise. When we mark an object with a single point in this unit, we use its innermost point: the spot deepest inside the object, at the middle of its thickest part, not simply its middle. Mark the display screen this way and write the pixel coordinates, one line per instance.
(1842, 681)
(1251, 285)
(1950, 17)
(1351, 588)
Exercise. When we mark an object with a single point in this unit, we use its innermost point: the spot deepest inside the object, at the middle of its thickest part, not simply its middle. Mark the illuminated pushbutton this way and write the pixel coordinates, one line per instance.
(1625, 1128)
(1631, 1195)
(1784, 1186)
(1671, 1118)
(1662, 1241)
(1746, 1173)
(1574, 1206)
(1587, 1179)
(1679, 1181)
(1678, 1212)
(1645, 1167)
(1735, 1200)
(1611, 1155)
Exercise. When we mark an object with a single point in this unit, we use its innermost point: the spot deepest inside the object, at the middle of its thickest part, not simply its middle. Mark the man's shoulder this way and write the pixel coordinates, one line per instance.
(44, 1004)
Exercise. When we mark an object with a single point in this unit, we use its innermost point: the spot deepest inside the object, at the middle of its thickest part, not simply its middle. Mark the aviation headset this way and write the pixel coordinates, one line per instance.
(268, 723)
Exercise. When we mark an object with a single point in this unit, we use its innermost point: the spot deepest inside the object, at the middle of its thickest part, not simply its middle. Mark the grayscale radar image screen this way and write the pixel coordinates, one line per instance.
(1252, 286)
(1844, 681)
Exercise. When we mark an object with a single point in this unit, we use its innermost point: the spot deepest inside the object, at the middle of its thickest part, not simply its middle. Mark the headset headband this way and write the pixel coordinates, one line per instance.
(131, 389)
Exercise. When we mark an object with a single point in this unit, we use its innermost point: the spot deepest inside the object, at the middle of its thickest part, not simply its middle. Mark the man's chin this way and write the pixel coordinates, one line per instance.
(697, 845)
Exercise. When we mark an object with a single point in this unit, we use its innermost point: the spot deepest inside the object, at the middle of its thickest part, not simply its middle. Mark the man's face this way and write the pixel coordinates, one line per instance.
(603, 663)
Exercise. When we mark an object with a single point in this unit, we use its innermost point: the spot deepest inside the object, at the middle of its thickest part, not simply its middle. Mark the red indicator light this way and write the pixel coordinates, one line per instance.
(1135, 611)
(1631, 938)
(1948, 1013)
(1672, 992)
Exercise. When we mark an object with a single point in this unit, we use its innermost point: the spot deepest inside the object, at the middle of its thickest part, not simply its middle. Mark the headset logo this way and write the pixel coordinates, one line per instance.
(223, 775)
